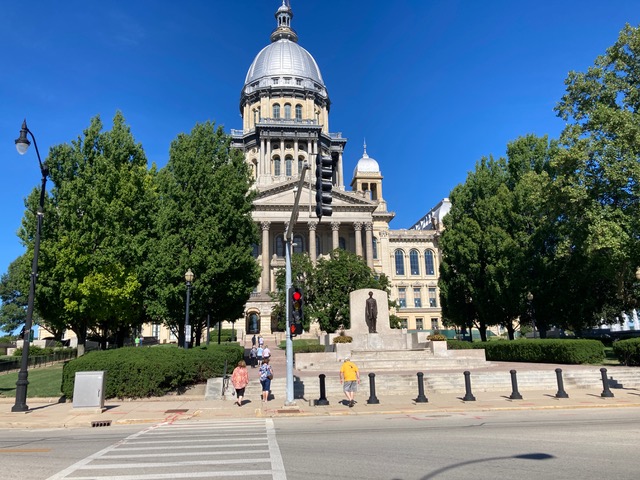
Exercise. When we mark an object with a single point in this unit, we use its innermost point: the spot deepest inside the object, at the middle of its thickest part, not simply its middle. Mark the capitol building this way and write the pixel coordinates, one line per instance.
(285, 107)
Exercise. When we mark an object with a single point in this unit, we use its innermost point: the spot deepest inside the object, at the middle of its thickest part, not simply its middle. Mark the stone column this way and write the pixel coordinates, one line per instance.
(267, 164)
(357, 227)
(261, 168)
(335, 234)
(266, 274)
(312, 241)
(368, 231)
(340, 171)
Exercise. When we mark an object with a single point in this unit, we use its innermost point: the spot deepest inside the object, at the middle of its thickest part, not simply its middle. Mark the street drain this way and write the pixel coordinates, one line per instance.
(177, 410)
(103, 423)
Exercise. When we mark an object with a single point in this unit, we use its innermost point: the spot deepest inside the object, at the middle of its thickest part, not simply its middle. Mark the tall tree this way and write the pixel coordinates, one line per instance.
(98, 221)
(598, 184)
(204, 223)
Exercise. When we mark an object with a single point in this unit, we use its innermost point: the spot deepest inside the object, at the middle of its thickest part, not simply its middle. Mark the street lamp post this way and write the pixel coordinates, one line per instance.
(187, 328)
(531, 314)
(22, 144)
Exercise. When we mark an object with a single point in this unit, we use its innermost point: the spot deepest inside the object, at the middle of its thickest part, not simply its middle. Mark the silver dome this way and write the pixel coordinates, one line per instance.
(366, 164)
(284, 58)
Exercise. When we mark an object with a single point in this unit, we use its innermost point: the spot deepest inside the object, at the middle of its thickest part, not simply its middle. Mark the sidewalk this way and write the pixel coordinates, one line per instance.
(48, 414)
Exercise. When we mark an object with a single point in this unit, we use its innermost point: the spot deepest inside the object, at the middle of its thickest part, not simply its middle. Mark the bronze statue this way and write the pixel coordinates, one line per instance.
(371, 313)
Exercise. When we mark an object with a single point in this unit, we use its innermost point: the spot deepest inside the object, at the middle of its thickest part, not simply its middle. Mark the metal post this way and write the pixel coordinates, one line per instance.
(515, 395)
(187, 327)
(372, 389)
(606, 393)
(323, 395)
(468, 396)
(561, 393)
(23, 374)
(421, 396)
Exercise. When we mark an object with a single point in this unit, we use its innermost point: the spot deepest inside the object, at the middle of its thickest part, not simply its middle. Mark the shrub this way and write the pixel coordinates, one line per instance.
(453, 344)
(628, 351)
(342, 339)
(146, 372)
(436, 337)
(545, 351)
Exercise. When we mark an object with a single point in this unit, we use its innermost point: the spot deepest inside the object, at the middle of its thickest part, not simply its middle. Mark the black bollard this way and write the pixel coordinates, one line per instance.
(468, 397)
(323, 397)
(515, 395)
(421, 396)
(561, 393)
(606, 393)
(372, 388)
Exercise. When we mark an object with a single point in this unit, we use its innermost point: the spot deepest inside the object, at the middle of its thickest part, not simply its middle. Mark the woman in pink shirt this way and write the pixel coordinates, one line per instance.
(240, 380)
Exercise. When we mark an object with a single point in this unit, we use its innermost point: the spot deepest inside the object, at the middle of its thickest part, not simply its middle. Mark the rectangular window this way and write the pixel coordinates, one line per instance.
(434, 324)
(417, 297)
(402, 297)
(298, 81)
(403, 323)
(433, 300)
(419, 324)
(155, 330)
(275, 81)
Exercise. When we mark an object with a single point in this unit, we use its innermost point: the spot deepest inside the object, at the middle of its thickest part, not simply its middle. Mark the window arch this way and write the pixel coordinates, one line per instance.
(287, 111)
(288, 166)
(414, 262)
(276, 111)
(375, 248)
(399, 257)
(298, 112)
(298, 246)
(276, 166)
(429, 264)
(279, 246)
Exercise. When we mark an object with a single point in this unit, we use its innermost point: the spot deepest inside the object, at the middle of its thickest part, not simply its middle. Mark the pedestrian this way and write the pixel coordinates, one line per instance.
(266, 375)
(253, 340)
(260, 341)
(266, 353)
(259, 352)
(137, 341)
(350, 378)
(253, 356)
(240, 380)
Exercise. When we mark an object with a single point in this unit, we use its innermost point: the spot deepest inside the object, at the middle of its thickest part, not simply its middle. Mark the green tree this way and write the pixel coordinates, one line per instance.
(327, 286)
(14, 288)
(203, 222)
(96, 234)
(598, 183)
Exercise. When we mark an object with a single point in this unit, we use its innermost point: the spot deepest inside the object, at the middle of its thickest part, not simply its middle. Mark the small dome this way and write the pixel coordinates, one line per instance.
(366, 164)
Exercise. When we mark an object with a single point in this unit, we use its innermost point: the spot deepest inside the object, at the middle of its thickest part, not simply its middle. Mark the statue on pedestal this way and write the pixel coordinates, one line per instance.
(371, 313)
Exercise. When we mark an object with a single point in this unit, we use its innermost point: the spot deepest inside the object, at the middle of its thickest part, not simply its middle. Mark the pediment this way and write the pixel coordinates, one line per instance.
(282, 196)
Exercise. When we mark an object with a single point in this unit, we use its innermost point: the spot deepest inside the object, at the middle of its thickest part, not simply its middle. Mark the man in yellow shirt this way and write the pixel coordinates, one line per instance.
(350, 378)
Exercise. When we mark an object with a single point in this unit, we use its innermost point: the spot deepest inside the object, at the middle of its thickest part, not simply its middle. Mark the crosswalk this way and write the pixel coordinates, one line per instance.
(212, 449)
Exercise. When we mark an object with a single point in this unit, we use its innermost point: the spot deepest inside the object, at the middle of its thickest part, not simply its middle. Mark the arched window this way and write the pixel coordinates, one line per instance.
(253, 323)
(300, 161)
(399, 262)
(298, 246)
(276, 166)
(414, 262)
(288, 166)
(276, 111)
(428, 263)
(298, 112)
(279, 246)
(287, 111)
(375, 248)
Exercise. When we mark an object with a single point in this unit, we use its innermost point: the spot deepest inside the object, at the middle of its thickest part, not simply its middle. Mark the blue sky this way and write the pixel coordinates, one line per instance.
(433, 85)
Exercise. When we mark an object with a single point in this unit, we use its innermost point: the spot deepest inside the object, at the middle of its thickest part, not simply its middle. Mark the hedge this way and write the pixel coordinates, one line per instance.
(628, 351)
(538, 351)
(147, 372)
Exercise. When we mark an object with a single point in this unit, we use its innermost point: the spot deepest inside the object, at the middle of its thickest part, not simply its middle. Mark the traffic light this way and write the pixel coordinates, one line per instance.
(296, 314)
(324, 178)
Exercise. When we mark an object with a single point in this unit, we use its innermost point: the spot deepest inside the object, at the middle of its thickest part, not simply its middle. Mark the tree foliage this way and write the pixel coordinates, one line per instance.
(204, 223)
(327, 287)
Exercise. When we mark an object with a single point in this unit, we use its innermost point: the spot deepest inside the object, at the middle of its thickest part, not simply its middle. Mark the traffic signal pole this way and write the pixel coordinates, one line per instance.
(288, 244)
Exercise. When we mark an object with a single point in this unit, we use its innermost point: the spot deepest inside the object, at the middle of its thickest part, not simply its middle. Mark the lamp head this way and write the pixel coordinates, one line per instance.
(189, 276)
(22, 142)
(638, 273)
(529, 296)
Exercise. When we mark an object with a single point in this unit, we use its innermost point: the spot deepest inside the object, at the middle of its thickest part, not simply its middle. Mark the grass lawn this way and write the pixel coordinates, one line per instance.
(43, 382)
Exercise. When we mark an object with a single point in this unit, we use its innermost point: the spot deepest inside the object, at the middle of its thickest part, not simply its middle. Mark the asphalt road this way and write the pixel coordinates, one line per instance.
(555, 444)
